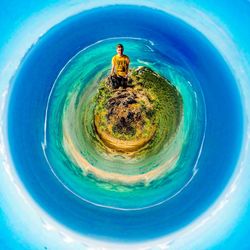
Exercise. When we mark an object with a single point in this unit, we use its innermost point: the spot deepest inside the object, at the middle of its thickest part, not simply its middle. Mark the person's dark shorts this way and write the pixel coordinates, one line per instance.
(118, 81)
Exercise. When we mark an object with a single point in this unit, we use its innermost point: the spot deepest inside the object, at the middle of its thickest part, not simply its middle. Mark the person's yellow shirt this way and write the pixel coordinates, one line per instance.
(121, 64)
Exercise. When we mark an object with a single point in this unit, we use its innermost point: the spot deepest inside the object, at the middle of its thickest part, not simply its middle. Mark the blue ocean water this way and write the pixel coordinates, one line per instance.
(214, 133)
(183, 47)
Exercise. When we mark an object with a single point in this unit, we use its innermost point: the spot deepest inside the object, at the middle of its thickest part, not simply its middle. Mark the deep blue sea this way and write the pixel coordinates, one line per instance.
(174, 42)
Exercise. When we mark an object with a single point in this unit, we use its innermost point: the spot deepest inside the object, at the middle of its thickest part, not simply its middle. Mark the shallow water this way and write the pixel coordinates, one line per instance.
(62, 69)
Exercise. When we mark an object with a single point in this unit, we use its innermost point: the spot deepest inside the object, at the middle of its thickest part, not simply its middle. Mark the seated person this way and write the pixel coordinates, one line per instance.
(120, 66)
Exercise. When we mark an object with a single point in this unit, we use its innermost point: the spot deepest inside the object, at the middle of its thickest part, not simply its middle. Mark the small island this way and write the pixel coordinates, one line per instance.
(147, 112)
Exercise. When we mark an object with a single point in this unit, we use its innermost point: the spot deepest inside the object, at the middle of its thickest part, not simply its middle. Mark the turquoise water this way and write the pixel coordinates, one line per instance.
(48, 100)
(70, 101)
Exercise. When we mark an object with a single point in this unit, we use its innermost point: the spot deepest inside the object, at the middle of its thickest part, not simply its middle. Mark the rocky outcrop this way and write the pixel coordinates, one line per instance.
(126, 119)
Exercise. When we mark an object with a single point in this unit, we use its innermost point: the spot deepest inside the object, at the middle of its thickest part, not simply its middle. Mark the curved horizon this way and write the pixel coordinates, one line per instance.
(213, 219)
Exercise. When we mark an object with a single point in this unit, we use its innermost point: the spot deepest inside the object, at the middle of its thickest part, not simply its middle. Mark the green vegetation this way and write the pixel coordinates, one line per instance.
(147, 112)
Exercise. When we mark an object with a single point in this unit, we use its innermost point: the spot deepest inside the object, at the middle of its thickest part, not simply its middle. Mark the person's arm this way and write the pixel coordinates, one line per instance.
(112, 70)
(128, 62)
(113, 67)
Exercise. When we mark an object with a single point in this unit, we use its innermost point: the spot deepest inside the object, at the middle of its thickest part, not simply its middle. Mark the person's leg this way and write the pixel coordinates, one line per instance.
(124, 82)
(119, 81)
(114, 81)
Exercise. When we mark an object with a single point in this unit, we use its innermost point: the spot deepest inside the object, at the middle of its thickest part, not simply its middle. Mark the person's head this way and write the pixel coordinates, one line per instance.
(119, 49)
